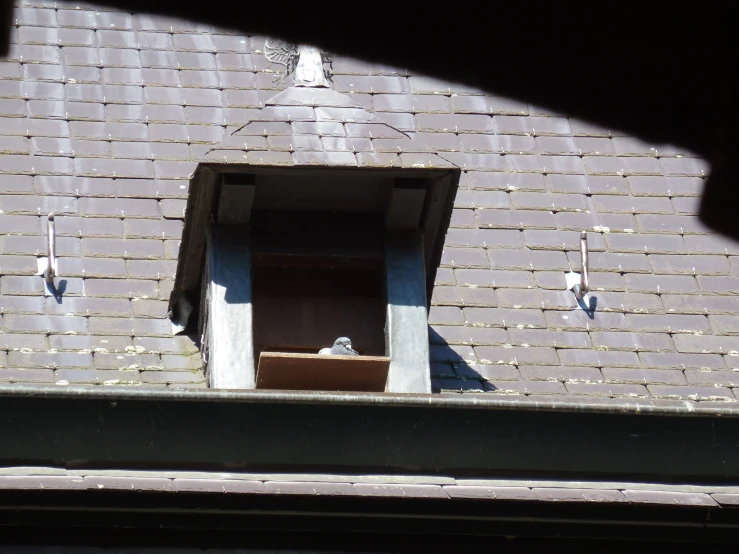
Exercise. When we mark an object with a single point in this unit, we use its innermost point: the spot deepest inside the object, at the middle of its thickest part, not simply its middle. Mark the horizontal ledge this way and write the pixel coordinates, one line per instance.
(484, 401)
(316, 372)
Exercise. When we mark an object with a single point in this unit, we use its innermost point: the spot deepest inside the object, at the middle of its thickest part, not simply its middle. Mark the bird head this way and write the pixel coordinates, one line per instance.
(343, 341)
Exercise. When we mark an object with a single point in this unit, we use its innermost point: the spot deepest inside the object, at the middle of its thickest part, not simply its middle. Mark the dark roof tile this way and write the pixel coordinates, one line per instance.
(702, 304)
(487, 104)
(531, 125)
(594, 146)
(464, 258)
(586, 321)
(161, 24)
(557, 145)
(671, 224)
(711, 244)
(691, 264)
(161, 77)
(488, 372)
(122, 248)
(561, 373)
(117, 94)
(18, 341)
(544, 164)
(84, 111)
(692, 392)
(644, 376)
(44, 72)
(503, 180)
(29, 305)
(463, 296)
(517, 355)
(201, 43)
(692, 167)
(49, 324)
(482, 200)
(153, 41)
(598, 358)
(712, 378)
(165, 169)
(627, 302)
(227, 43)
(117, 113)
(35, 17)
(600, 223)
(631, 146)
(722, 285)
(499, 144)
(39, 35)
(648, 244)
(682, 361)
(662, 284)
(458, 334)
(122, 76)
(493, 278)
(664, 186)
(724, 324)
(536, 298)
(516, 219)
(455, 385)
(706, 344)
(641, 342)
(21, 375)
(116, 39)
(448, 123)
(668, 323)
(410, 104)
(550, 202)
(688, 206)
(627, 204)
(485, 238)
(545, 337)
(608, 390)
(525, 387)
(528, 260)
(235, 62)
(51, 109)
(561, 240)
(18, 265)
(606, 165)
(554, 280)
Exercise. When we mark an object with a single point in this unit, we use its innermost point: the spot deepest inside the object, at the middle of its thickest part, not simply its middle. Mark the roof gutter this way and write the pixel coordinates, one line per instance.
(637, 406)
(360, 433)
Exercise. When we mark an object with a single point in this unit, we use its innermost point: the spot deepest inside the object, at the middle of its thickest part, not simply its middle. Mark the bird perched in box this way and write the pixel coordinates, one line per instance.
(342, 347)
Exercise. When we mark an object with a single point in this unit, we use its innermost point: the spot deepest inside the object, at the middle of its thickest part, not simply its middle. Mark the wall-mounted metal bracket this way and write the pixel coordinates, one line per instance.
(47, 266)
(579, 283)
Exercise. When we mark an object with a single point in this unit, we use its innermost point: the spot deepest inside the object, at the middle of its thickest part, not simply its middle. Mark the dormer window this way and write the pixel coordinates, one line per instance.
(294, 237)
(279, 262)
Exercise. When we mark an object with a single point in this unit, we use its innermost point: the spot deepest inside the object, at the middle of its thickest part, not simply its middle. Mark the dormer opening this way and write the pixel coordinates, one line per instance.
(276, 263)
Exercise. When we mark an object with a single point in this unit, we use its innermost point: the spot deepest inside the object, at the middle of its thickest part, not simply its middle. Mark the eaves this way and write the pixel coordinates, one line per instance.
(478, 436)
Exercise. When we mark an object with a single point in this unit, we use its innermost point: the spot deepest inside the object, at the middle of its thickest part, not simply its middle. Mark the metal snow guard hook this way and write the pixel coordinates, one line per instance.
(583, 287)
(50, 271)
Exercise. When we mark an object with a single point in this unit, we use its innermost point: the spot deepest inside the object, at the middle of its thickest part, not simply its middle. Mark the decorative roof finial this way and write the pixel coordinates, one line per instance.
(304, 62)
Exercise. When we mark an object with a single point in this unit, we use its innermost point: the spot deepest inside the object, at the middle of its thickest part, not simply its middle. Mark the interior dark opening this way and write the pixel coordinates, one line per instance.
(317, 276)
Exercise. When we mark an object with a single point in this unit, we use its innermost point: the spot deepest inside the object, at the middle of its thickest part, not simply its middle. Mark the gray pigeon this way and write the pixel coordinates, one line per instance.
(342, 347)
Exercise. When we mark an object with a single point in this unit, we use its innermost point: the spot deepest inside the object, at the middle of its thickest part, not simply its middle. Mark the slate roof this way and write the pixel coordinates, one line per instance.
(318, 126)
(105, 115)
